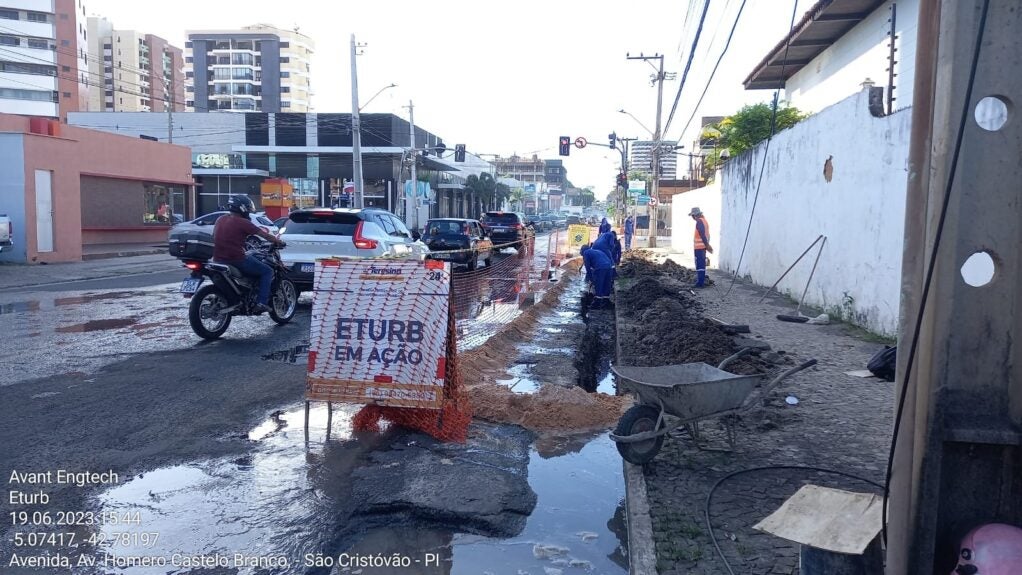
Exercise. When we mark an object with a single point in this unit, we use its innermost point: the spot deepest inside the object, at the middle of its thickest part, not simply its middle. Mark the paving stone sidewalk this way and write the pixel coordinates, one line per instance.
(841, 422)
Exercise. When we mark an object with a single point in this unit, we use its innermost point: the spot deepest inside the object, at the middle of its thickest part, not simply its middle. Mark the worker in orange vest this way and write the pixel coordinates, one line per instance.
(702, 245)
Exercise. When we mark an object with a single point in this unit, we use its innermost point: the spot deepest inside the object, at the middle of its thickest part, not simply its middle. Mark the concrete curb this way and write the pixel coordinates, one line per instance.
(134, 252)
(641, 549)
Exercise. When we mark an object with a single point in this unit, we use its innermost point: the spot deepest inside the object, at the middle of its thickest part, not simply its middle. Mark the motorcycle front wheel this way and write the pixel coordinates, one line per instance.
(206, 315)
(284, 302)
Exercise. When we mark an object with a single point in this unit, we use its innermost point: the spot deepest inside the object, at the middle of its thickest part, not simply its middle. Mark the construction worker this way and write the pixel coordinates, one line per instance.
(608, 244)
(604, 226)
(701, 245)
(600, 273)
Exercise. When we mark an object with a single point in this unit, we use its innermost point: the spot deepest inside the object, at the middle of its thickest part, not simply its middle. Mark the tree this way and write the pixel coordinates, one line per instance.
(517, 197)
(749, 126)
(487, 190)
(587, 197)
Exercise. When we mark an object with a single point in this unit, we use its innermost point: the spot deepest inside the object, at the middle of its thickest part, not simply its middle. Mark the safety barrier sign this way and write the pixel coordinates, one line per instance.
(578, 235)
(379, 333)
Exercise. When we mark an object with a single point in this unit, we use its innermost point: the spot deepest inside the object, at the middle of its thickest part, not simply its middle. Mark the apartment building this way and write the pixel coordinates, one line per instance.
(255, 68)
(134, 72)
(641, 158)
(43, 57)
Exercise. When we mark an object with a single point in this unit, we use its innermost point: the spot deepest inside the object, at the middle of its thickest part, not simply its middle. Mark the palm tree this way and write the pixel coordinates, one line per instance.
(517, 198)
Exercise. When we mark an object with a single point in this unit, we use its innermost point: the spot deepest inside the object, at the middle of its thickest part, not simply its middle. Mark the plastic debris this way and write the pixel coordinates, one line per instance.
(587, 536)
(791, 400)
(822, 319)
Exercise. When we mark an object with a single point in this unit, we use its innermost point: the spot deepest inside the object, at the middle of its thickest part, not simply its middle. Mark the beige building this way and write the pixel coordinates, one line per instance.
(133, 71)
(255, 68)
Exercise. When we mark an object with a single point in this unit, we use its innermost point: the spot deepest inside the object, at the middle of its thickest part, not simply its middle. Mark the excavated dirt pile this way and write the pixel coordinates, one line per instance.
(661, 325)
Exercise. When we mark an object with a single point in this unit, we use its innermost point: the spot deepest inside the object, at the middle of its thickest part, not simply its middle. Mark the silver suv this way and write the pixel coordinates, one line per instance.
(315, 233)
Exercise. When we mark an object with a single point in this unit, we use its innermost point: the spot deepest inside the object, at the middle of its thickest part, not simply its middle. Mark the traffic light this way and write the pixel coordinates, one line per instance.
(565, 145)
(622, 180)
(613, 139)
(459, 153)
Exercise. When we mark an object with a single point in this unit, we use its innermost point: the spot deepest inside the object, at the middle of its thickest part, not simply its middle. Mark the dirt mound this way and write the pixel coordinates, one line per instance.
(636, 264)
(644, 293)
(552, 408)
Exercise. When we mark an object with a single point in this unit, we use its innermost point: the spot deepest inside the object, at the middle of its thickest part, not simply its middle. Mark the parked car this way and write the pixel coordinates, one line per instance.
(561, 220)
(534, 221)
(575, 220)
(313, 233)
(6, 232)
(195, 238)
(548, 221)
(280, 222)
(458, 241)
(507, 229)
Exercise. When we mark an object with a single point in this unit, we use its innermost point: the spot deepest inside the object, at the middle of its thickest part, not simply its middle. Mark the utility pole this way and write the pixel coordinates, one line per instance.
(958, 445)
(356, 131)
(168, 102)
(415, 181)
(659, 82)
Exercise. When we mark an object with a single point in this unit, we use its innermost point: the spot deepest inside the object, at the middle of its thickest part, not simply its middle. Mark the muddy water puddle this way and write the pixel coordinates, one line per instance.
(278, 502)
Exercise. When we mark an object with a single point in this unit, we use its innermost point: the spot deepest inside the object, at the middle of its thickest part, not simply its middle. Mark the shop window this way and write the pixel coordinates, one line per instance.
(161, 203)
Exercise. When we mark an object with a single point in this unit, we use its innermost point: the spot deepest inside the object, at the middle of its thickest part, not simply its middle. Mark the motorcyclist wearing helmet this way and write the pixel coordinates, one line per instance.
(229, 235)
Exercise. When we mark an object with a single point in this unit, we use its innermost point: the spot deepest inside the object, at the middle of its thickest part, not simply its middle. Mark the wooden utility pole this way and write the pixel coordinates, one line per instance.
(655, 193)
(958, 457)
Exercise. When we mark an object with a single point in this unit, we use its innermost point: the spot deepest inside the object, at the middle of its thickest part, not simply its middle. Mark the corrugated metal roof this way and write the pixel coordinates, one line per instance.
(822, 26)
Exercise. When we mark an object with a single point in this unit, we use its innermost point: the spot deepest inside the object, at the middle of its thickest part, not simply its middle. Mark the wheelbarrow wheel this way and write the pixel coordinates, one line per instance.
(639, 419)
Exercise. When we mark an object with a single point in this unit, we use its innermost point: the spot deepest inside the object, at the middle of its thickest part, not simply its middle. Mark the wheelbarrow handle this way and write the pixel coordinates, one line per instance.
(742, 352)
(747, 404)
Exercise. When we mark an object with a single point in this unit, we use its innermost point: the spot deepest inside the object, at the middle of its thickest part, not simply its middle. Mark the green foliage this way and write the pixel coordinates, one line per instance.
(587, 197)
(747, 127)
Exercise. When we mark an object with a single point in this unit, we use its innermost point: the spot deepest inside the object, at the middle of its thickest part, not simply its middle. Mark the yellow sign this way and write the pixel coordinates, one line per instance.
(578, 235)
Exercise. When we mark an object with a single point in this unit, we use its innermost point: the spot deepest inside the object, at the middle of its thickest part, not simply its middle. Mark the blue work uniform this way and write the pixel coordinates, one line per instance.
(604, 226)
(600, 272)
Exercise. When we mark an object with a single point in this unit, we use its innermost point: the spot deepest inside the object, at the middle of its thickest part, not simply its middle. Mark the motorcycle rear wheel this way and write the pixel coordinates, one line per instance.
(283, 302)
(203, 316)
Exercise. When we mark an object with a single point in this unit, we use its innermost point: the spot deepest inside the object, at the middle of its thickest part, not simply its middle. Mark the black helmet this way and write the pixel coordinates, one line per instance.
(241, 205)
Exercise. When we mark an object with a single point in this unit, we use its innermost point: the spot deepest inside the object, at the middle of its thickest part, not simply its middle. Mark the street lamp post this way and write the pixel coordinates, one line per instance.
(382, 90)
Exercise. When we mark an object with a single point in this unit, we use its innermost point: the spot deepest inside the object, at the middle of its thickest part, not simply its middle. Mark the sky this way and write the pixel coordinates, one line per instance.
(509, 77)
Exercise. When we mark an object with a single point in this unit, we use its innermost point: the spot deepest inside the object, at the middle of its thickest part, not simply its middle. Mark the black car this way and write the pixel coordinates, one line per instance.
(458, 241)
(506, 229)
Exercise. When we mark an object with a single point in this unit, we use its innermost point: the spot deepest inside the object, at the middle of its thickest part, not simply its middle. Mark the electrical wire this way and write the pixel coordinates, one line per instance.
(688, 64)
(709, 496)
(766, 149)
(932, 264)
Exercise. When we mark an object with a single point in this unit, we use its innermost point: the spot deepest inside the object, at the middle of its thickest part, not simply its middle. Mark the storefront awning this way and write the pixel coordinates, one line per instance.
(229, 172)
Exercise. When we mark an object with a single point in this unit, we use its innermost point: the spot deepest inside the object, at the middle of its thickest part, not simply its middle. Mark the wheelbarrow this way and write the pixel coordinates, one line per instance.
(687, 393)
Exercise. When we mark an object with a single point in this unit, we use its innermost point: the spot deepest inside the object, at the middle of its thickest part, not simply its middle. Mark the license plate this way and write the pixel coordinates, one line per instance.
(500, 229)
(440, 256)
(191, 285)
(307, 268)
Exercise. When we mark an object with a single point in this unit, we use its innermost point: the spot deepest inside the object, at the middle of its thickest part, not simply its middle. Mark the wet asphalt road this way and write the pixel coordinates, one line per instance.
(106, 374)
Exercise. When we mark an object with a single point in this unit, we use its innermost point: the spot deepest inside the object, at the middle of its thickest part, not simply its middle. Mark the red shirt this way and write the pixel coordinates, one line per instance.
(229, 236)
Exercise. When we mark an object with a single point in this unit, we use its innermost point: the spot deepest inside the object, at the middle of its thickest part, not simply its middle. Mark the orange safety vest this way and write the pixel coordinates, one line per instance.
(699, 245)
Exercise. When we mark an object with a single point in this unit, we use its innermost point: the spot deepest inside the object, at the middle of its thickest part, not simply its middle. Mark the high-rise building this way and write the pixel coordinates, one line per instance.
(43, 57)
(132, 71)
(255, 68)
(641, 158)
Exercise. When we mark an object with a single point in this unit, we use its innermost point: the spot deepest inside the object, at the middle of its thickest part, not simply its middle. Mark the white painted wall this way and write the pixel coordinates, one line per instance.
(28, 107)
(861, 211)
(34, 5)
(707, 199)
(863, 52)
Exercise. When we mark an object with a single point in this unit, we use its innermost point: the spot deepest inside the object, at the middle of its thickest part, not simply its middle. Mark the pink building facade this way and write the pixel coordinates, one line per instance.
(67, 188)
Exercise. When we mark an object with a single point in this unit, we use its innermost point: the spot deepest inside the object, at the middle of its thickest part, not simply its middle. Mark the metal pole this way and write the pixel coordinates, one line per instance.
(415, 181)
(168, 103)
(356, 131)
(656, 156)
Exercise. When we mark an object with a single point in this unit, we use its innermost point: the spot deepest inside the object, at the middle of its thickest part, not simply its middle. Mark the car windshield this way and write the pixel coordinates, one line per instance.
(322, 224)
(496, 218)
(437, 227)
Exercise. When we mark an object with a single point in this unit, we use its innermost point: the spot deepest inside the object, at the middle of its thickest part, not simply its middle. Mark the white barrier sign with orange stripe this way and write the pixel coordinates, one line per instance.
(379, 331)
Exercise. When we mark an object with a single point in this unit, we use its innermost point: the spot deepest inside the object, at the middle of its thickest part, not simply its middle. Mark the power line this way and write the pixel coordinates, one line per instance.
(766, 148)
(688, 65)
(727, 45)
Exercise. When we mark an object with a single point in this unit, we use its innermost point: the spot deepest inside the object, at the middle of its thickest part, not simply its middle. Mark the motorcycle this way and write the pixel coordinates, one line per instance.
(232, 293)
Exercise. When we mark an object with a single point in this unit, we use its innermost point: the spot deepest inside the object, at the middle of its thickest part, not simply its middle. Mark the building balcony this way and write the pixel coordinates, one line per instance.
(31, 55)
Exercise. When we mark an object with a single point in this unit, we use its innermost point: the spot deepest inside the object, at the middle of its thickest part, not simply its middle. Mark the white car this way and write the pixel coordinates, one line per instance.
(315, 233)
(204, 224)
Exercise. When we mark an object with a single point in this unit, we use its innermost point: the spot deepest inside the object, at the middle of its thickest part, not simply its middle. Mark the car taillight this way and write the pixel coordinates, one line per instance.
(517, 226)
(361, 242)
(193, 265)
